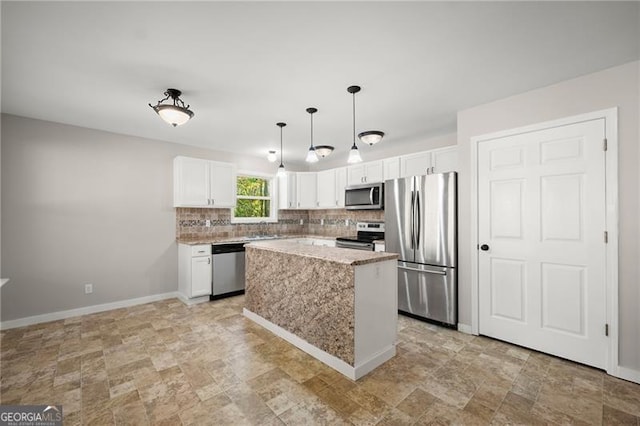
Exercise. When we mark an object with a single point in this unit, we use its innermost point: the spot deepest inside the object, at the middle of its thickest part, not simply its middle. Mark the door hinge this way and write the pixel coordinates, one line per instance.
(604, 144)
(606, 237)
(606, 329)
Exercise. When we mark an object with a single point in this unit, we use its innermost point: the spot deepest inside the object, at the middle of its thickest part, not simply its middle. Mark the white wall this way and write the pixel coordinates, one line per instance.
(617, 86)
(86, 206)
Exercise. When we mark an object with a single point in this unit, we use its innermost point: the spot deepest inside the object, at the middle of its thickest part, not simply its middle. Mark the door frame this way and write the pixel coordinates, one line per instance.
(610, 117)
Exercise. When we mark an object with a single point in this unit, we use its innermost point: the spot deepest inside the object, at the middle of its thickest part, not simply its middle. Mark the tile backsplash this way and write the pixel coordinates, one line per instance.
(191, 223)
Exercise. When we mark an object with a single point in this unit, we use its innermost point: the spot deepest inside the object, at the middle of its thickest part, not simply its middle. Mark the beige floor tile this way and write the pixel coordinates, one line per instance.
(167, 363)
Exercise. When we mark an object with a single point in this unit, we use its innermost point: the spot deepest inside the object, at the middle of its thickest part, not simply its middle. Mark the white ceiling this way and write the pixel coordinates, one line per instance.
(245, 66)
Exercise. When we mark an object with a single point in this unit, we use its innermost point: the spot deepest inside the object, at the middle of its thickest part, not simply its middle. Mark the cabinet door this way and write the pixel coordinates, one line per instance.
(326, 183)
(307, 190)
(415, 164)
(341, 183)
(391, 168)
(287, 191)
(200, 276)
(374, 172)
(223, 184)
(190, 182)
(356, 174)
(445, 160)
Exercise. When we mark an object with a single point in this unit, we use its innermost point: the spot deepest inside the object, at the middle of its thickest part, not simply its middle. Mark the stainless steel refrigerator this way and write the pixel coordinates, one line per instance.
(421, 226)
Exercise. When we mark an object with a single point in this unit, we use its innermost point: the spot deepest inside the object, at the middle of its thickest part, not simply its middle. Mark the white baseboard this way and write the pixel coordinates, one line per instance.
(352, 372)
(192, 301)
(464, 328)
(628, 374)
(54, 316)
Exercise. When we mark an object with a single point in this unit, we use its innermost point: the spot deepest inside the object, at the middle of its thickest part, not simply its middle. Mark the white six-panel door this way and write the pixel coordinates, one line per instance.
(541, 225)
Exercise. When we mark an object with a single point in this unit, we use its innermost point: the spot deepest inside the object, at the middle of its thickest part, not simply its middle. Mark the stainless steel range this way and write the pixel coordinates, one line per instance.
(368, 232)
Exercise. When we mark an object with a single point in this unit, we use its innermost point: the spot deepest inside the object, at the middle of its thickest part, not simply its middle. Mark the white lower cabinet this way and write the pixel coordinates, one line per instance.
(194, 271)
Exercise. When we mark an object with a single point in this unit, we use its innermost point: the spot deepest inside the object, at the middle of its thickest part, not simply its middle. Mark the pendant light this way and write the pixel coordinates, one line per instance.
(281, 170)
(312, 157)
(354, 154)
(175, 114)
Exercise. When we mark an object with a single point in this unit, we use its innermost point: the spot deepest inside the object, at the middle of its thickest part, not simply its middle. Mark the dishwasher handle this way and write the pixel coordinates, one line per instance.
(227, 248)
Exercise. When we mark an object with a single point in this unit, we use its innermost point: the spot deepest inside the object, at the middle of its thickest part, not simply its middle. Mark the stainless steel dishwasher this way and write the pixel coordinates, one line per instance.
(228, 270)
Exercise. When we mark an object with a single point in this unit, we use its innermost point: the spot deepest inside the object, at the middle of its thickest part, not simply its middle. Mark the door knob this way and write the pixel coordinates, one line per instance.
(484, 247)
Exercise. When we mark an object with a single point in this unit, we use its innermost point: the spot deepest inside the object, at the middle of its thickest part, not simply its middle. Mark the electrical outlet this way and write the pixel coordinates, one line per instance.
(346, 222)
(88, 288)
(321, 222)
(207, 223)
(301, 221)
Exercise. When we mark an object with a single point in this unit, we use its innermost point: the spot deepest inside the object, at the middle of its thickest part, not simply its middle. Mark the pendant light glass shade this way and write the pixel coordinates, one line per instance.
(272, 157)
(281, 170)
(354, 155)
(176, 114)
(371, 137)
(312, 157)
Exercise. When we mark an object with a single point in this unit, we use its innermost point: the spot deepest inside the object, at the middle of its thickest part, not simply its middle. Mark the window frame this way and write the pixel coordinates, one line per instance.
(272, 198)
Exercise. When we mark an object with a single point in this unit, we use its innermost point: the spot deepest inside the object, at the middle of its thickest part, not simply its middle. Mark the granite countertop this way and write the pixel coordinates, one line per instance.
(245, 239)
(332, 254)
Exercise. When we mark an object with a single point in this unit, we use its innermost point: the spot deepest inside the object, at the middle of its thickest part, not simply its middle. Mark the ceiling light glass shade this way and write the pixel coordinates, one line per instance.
(312, 157)
(371, 137)
(354, 155)
(324, 150)
(272, 157)
(173, 114)
(281, 171)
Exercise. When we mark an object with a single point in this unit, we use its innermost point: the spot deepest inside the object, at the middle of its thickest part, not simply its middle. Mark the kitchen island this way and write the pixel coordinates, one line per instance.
(338, 305)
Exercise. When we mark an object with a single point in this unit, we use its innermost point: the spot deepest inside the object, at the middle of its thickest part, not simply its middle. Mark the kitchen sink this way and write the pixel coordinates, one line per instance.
(262, 237)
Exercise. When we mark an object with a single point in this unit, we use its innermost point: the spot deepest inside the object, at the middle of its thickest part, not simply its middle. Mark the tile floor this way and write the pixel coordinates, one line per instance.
(166, 363)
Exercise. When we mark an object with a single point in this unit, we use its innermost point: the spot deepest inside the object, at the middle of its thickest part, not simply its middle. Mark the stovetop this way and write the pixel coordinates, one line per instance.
(367, 232)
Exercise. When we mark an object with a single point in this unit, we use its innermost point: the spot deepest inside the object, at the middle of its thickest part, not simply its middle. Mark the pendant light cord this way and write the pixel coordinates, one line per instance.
(281, 164)
(354, 119)
(311, 130)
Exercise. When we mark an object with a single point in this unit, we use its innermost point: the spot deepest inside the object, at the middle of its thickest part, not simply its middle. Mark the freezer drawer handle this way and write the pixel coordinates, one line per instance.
(427, 271)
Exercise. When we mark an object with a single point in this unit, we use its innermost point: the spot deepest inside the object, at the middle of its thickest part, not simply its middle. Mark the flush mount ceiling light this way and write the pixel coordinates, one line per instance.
(324, 150)
(312, 157)
(371, 137)
(281, 170)
(272, 157)
(175, 114)
(354, 154)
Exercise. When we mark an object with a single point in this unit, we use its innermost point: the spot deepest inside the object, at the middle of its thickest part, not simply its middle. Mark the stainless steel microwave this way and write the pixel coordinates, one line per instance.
(369, 196)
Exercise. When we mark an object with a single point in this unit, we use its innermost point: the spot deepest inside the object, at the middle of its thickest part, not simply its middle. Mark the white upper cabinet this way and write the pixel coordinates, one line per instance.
(444, 160)
(307, 190)
(365, 173)
(391, 168)
(428, 162)
(326, 184)
(341, 183)
(287, 196)
(415, 164)
(203, 183)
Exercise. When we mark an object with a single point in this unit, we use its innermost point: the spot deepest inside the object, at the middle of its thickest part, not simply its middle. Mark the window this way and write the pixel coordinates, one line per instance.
(254, 200)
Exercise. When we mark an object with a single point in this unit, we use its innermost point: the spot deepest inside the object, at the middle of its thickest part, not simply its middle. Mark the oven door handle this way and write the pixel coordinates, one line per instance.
(354, 245)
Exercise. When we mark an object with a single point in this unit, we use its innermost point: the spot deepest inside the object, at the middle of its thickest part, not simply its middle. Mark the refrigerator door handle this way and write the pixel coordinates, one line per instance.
(419, 221)
(426, 271)
(413, 195)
